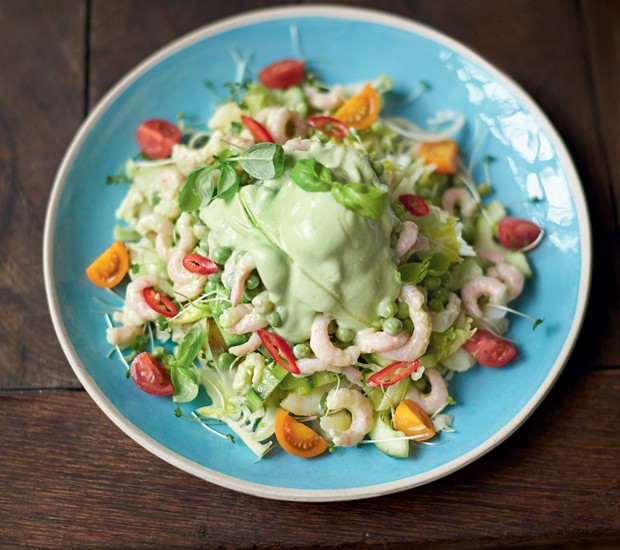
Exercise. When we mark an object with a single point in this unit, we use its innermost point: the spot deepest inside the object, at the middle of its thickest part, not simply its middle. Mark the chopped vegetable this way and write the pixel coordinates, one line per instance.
(159, 302)
(410, 419)
(361, 111)
(195, 263)
(282, 74)
(329, 126)
(518, 234)
(109, 269)
(414, 204)
(156, 138)
(297, 438)
(489, 350)
(443, 154)
(259, 132)
(279, 350)
(150, 376)
(393, 373)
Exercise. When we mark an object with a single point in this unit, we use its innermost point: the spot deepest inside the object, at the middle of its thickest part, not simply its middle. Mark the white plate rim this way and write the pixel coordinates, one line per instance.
(314, 495)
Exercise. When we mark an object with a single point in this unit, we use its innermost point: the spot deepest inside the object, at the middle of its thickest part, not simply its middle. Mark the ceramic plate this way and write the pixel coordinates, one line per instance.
(531, 162)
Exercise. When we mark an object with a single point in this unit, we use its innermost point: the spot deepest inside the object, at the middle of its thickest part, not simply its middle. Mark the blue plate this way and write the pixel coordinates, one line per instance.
(531, 161)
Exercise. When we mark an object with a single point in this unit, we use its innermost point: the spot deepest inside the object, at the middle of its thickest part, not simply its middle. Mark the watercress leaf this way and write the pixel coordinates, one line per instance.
(190, 347)
(312, 176)
(197, 189)
(263, 161)
(364, 200)
(228, 183)
(414, 272)
(185, 385)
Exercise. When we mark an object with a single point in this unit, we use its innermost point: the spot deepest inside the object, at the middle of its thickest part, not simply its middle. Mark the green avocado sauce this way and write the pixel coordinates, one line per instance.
(312, 254)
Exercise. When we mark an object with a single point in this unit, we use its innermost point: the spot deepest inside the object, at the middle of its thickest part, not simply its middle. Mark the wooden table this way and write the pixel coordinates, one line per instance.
(70, 479)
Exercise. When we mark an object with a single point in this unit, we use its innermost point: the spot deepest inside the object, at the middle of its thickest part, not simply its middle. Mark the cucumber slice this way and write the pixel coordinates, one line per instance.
(231, 339)
(381, 430)
(191, 315)
(301, 386)
(270, 378)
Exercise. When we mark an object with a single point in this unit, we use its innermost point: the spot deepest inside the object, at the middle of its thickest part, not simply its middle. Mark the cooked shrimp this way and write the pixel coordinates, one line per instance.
(238, 141)
(161, 228)
(185, 230)
(323, 348)
(418, 342)
(242, 319)
(324, 101)
(443, 320)
(455, 196)
(361, 411)
(421, 245)
(243, 269)
(170, 179)
(187, 159)
(251, 345)
(136, 310)
(511, 276)
(406, 241)
(297, 145)
(489, 256)
(121, 336)
(233, 315)
(311, 365)
(370, 341)
(248, 372)
(187, 285)
(434, 400)
(482, 286)
(276, 121)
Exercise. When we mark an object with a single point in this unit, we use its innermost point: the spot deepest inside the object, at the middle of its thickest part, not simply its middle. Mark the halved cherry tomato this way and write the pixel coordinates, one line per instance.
(109, 269)
(329, 126)
(410, 419)
(489, 350)
(259, 132)
(279, 350)
(393, 373)
(515, 233)
(296, 438)
(414, 204)
(150, 376)
(443, 154)
(282, 74)
(195, 263)
(159, 302)
(156, 138)
(361, 110)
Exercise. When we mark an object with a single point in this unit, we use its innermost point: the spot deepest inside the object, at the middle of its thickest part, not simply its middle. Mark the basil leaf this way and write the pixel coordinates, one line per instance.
(312, 176)
(263, 161)
(197, 189)
(364, 200)
(185, 385)
(413, 273)
(228, 183)
(189, 348)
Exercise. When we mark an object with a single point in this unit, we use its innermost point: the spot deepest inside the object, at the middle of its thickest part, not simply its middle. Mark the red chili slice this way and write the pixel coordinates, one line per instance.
(330, 126)
(195, 263)
(515, 233)
(156, 138)
(414, 204)
(259, 132)
(159, 302)
(279, 350)
(282, 74)
(393, 373)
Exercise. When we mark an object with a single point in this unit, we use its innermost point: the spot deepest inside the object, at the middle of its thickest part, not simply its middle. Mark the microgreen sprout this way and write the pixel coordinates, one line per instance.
(535, 322)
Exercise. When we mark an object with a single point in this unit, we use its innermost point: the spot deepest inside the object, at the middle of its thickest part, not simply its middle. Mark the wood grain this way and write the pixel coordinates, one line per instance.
(71, 479)
(41, 106)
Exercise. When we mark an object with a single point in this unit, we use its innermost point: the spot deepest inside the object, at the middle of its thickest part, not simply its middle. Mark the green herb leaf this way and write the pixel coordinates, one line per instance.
(536, 323)
(312, 176)
(185, 385)
(413, 273)
(135, 268)
(190, 347)
(364, 200)
(117, 178)
(197, 189)
(228, 183)
(178, 412)
(263, 161)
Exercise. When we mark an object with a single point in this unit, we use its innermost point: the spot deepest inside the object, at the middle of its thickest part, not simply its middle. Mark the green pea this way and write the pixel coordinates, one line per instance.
(432, 283)
(408, 325)
(158, 352)
(301, 351)
(253, 281)
(402, 310)
(224, 360)
(215, 277)
(323, 138)
(435, 305)
(224, 305)
(398, 209)
(378, 167)
(251, 293)
(425, 193)
(392, 326)
(221, 254)
(274, 319)
(443, 294)
(262, 304)
(209, 286)
(345, 334)
(485, 189)
(387, 308)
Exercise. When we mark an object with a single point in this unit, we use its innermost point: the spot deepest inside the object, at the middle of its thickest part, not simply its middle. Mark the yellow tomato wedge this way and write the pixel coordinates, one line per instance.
(410, 419)
(109, 269)
(361, 110)
(296, 438)
(443, 154)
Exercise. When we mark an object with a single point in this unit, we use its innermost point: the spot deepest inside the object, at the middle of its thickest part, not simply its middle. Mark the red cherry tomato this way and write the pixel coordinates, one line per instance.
(489, 350)
(282, 74)
(414, 204)
(279, 350)
(195, 263)
(156, 138)
(393, 373)
(150, 376)
(329, 126)
(159, 302)
(515, 233)
(259, 132)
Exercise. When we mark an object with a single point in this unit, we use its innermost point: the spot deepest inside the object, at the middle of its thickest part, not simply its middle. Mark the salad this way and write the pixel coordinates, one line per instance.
(321, 270)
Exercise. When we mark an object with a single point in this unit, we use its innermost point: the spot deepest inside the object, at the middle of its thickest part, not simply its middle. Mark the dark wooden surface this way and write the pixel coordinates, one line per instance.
(70, 479)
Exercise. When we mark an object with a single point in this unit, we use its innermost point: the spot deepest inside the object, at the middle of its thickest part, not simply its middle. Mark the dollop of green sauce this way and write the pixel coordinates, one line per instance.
(312, 254)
